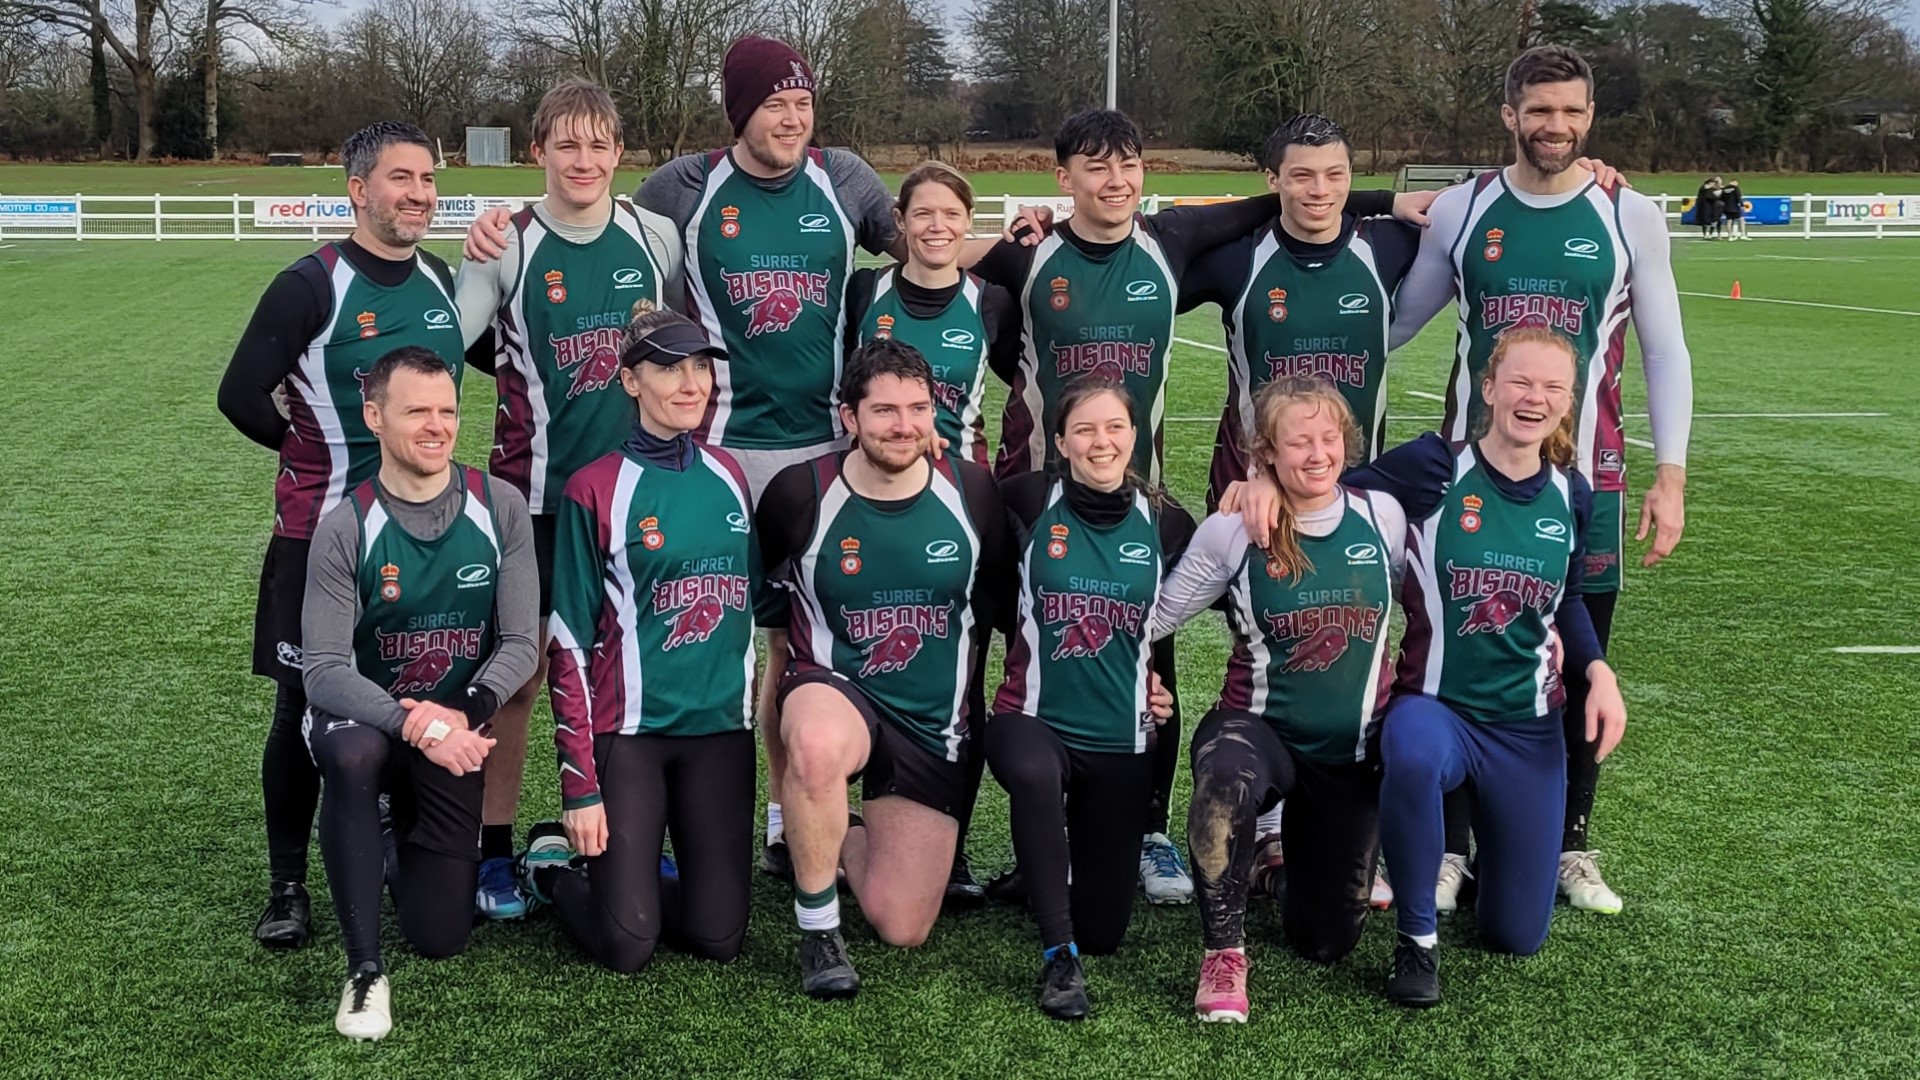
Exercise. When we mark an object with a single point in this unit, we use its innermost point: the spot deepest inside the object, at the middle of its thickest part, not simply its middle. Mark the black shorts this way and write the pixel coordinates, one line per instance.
(276, 613)
(432, 808)
(896, 764)
(543, 558)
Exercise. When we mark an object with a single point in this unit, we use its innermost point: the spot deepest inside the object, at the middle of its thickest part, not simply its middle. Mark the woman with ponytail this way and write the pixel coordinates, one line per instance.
(1492, 593)
(1304, 691)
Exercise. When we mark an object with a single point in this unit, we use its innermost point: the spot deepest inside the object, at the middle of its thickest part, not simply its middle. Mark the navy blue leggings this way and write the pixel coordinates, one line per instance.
(1519, 772)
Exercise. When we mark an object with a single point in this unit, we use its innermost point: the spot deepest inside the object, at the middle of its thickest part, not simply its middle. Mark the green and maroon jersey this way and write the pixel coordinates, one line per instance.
(655, 581)
(1310, 657)
(1324, 319)
(767, 277)
(883, 595)
(1078, 656)
(955, 345)
(1485, 576)
(1110, 317)
(427, 620)
(1563, 267)
(561, 405)
(328, 450)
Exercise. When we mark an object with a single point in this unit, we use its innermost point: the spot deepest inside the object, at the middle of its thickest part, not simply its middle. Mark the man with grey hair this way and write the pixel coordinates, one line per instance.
(294, 387)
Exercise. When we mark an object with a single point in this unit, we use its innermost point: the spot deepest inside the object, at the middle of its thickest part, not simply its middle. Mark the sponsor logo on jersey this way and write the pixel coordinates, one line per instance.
(1491, 252)
(892, 635)
(556, 287)
(814, 223)
(1470, 513)
(1058, 301)
(737, 522)
(1612, 462)
(694, 606)
(882, 327)
(473, 575)
(426, 656)
(1057, 544)
(1363, 555)
(439, 319)
(850, 556)
(592, 355)
(1085, 622)
(1135, 553)
(389, 583)
(1550, 529)
(955, 338)
(1355, 303)
(1497, 596)
(1349, 369)
(1321, 634)
(729, 221)
(1104, 359)
(628, 277)
(775, 298)
(367, 327)
(650, 535)
(1513, 311)
(1277, 305)
(1138, 291)
(289, 654)
(943, 551)
(1579, 247)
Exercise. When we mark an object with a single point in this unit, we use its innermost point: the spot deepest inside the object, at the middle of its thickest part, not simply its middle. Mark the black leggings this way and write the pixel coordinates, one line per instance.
(1583, 772)
(1076, 816)
(699, 789)
(976, 751)
(289, 786)
(1166, 751)
(1329, 835)
(436, 819)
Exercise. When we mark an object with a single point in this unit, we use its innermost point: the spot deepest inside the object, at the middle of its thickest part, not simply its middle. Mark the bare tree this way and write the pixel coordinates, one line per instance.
(436, 54)
(134, 42)
(247, 22)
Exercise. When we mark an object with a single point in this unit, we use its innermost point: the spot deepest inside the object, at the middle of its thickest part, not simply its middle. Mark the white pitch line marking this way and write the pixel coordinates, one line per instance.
(1424, 395)
(1806, 303)
(1200, 344)
(1641, 443)
(1878, 650)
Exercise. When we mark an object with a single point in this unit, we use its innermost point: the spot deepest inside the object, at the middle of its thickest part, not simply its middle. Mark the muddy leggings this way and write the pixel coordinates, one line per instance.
(1329, 835)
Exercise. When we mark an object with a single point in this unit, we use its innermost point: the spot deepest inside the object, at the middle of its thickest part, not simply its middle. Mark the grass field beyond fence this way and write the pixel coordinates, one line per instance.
(1759, 819)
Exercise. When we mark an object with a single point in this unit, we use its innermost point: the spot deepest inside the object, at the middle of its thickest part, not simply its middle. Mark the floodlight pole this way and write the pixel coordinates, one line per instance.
(1113, 54)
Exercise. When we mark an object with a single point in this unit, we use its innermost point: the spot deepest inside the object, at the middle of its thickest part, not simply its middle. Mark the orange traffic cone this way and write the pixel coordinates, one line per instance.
(1736, 289)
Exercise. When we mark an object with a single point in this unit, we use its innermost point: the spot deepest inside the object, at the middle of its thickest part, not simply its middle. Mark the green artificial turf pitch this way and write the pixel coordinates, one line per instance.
(1758, 820)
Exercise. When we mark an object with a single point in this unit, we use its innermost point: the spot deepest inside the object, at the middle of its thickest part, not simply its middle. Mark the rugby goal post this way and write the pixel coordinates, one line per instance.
(1434, 177)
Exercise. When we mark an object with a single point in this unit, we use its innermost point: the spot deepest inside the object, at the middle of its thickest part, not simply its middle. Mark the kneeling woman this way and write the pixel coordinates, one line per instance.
(1076, 716)
(655, 581)
(1492, 596)
(1304, 691)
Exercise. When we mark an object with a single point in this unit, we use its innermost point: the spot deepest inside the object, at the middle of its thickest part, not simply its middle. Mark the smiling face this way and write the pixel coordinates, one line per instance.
(1550, 124)
(416, 420)
(397, 198)
(776, 134)
(1309, 450)
(1105, 190)
(1096, 440)
(893, 424)
(935, 224)
(672, 398)
(580, 156)
(1313, 183)
(1529, 392)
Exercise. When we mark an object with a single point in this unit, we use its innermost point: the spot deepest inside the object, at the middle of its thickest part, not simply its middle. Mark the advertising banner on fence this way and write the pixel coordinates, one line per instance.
(453, 211)
(39, 213)
(1759, 210)
(1873, 210)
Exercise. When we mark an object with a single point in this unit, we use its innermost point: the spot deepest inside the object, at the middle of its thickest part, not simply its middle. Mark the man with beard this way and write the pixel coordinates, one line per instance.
(294, 386)
(889, 556)
(1542, 244)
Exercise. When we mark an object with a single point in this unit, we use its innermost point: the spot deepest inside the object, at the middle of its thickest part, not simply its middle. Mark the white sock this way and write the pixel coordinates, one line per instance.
(825, 917)
(774, 828)
(1270, 821)
(1425, 941)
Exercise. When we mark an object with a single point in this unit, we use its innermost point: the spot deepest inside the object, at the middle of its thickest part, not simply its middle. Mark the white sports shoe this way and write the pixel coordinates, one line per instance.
(1162, 872)
(365, 1012)
(1453, 874)
(1581, 884)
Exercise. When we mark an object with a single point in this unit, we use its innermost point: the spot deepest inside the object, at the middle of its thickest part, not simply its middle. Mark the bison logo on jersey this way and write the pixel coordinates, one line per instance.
(422, 673)
(592, 355)
(1492, 614)
(775, 298)
(695, 606)
(1318, 652)
(893, 652)
(1113, 360)
(1087, 621)
(893, 635)
(1084, 636)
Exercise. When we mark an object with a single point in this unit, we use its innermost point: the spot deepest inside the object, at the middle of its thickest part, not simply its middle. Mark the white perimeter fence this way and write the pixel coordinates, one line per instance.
(314, 218)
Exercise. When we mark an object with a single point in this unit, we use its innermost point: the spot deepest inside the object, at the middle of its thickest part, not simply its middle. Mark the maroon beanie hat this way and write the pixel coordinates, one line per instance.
(756, 68)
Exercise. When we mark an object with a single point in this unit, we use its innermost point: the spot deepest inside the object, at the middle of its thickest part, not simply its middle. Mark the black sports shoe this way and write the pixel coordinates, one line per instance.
(776, 861)
(1415, 981)
(826, 973)
(1063, 987)
(288, 921)
(962, 890)
(1008, 888)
